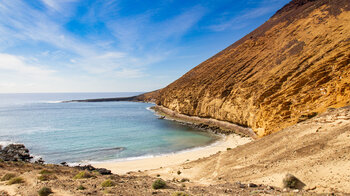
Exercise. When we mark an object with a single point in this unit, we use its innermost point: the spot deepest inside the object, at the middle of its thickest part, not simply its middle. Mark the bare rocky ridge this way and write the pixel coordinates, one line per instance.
(296, 64)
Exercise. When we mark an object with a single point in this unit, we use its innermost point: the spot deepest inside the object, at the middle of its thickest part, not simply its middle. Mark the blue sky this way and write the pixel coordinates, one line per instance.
(116, 45)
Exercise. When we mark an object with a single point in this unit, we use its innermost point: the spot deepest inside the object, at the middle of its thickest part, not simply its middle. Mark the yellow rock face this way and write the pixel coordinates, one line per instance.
(295, 64)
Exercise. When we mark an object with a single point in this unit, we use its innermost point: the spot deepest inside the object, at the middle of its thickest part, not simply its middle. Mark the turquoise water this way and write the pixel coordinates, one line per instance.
(91, 132)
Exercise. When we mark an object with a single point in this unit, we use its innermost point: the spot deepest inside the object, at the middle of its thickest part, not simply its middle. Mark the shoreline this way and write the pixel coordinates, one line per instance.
(169, 160)
(232, 136)
(206, 124)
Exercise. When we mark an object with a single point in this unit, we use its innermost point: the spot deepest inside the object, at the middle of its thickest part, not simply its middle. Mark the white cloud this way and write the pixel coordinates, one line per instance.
(58, 5)
(129, 73)
(74, 57)
(29, 24)
(18, 65)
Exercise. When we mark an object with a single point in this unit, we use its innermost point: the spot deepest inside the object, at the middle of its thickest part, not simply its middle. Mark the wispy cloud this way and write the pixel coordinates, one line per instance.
(32, 25)
(239, 20)
(22, 66)
(61, 6)
(94, 44)
(139, 31)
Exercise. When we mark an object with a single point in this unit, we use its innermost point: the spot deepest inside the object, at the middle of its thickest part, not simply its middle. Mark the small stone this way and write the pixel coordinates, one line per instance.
(270, 188)
(312, 188)
(251, 185)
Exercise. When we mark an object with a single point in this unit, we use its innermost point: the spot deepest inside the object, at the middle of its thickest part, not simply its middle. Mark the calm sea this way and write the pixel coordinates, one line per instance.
(91, 132)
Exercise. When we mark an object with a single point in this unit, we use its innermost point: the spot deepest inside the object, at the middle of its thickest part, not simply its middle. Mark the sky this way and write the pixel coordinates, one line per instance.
(116, 45)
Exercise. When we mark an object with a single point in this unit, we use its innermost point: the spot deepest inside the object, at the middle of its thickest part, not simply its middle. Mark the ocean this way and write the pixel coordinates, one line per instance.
(91, 132)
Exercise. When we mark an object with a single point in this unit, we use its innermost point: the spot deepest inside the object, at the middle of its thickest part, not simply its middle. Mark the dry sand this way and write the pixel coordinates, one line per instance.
(122, 167)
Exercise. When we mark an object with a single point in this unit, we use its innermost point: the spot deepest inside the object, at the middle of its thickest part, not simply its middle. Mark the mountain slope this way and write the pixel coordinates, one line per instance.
(293, 66)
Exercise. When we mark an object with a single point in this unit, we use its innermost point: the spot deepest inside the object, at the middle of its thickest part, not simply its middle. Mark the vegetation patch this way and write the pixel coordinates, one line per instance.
(8, 176)
(184, 180)
(46, 177)
(45, 191)
(108, 183)
(15, 180)
(158, 184)
(82, 175)
(45, 171)
(81, 187)
(180, 194)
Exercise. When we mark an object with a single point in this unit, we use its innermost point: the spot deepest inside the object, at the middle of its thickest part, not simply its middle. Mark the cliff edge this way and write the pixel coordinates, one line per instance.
(295, 65)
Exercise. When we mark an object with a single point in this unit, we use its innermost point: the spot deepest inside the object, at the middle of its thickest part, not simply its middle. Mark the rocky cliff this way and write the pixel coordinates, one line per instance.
(295, 65)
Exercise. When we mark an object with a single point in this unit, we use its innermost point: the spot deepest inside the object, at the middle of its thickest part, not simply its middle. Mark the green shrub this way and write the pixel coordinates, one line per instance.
(15, 180)
(158, 184)
(82, 175)
(45, 191)
(107, 183)
(45, 171)
(8, 176)
(178, 172)
(184, 180)
(81, 187)
(228, 148)
(44, 177)
(179, 194)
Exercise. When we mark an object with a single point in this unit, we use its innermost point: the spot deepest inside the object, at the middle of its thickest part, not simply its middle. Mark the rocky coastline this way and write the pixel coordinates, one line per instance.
(204, 124)
(19, 153)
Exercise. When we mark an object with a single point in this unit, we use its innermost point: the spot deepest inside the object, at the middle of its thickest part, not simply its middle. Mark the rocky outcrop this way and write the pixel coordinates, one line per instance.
(145, 97)
(101, 171)
(15, 152)
(297, 64)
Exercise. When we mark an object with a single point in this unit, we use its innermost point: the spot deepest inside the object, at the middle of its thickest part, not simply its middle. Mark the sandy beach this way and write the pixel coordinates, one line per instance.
(122, 167)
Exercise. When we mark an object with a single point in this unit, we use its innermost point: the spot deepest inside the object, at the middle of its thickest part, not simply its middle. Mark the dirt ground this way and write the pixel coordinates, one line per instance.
(317, 151)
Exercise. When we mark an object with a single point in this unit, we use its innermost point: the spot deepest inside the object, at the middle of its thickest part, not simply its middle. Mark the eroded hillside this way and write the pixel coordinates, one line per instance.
(294, 65)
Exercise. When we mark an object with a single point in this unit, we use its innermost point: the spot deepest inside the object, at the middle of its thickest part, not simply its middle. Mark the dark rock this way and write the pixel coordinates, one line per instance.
(251, 185)
(64, 163)
(15, 152)
(40, 161)
(86, 167)
(102, 171)
(292, 182)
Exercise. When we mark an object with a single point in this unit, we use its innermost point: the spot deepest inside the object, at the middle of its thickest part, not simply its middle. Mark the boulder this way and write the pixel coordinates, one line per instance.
(102, 171)
(15, 152)
(292, 182)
